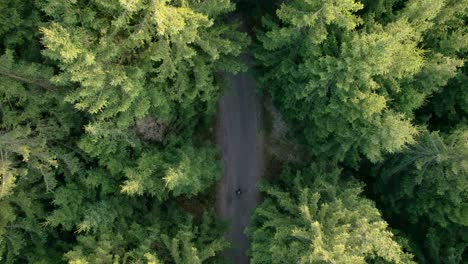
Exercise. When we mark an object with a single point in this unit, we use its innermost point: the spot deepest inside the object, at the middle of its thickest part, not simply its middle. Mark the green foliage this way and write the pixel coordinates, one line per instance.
(319, 218)
(443, 245)
(185, 170)
(77, 181)
(428, 183)
(351, 76)
(129, 60)
(25, 132)
(18, 22)
(449, 107)
(135, 231)
(134, 245)
(109, 226)
(81, 82)
(350, 79)
(196, 168)
(433, 175)
(132, 58)
(194, 246)
(23, 237)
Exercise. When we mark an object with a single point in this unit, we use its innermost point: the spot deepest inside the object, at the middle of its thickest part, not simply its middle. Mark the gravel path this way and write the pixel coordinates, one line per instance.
(239, 137)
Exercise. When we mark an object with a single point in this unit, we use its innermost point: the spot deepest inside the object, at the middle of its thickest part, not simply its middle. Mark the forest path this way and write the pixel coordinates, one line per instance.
(239, 136)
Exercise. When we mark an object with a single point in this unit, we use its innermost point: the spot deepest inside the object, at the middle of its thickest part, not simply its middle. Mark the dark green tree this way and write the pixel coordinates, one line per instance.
(430, 179)
(93, 222)
(449, 35)
(24, 134)
(18, 25)
(426, 187)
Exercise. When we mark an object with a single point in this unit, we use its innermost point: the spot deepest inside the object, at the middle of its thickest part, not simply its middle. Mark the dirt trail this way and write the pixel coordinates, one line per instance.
(239, 137)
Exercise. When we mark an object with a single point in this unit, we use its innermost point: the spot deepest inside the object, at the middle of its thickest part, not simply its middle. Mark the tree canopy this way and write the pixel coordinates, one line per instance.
(377, 88)
(107, 127)
(352, 80)
(316, 218)
(428, 183)
(105, 108)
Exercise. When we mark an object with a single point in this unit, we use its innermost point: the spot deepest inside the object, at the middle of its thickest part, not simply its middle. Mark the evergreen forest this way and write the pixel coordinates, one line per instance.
(108, 126)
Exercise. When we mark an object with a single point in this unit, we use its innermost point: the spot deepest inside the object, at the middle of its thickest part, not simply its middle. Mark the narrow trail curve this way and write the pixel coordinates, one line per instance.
(239, 136)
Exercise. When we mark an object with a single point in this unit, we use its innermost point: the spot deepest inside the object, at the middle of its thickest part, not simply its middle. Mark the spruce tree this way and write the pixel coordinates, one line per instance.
(130, 61)
(77, 80)
(350, 78)
(316, 217)
(428, 183)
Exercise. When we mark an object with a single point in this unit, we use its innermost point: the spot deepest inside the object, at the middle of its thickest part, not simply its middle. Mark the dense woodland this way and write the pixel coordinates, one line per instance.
(107, 112)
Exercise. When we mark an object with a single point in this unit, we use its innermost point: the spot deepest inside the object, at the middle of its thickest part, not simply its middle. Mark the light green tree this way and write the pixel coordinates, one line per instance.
(314, 217)
(349, 77)
(76, 78)
(127, 59)
(186, 170)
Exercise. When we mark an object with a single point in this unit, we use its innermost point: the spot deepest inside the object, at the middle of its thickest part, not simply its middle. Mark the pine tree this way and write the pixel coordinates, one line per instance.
(428, 184)
(194, 246)
(316, 217)
(69, 139)
(448, 37)
(129, 59)
(348, 80)
(184, 170)
(18, 24)
(433, 175)
(35, 125)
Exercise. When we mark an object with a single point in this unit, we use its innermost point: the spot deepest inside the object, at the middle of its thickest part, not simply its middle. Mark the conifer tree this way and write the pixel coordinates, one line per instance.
(350, 80)
(18, 24)
(448, 37)
(35, 130)
(35, 124)
(72, 158)
(184, 170)
(129, 59)
(433, 175)
(318, 218)
(428, 184)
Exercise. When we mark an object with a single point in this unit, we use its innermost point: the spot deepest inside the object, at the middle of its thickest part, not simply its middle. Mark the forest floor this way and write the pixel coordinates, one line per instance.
(240, 137)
